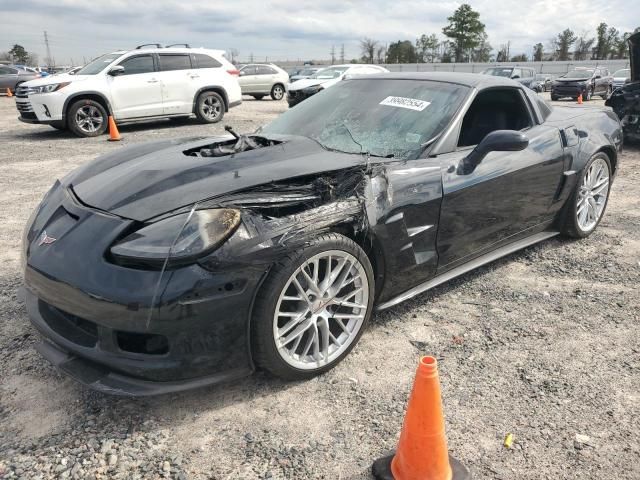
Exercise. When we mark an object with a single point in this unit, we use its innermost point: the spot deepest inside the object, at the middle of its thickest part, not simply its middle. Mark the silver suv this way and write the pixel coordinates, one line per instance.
(259, 80)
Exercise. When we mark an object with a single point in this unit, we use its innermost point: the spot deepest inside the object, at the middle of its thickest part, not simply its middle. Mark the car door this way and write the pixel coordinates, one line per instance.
(178, 80)
(8, 77)
(509, 193)
(137, 91)
(248, 79)
(267, 77)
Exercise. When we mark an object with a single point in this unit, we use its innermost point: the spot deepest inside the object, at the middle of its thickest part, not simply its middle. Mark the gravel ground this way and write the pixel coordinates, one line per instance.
(542, 344)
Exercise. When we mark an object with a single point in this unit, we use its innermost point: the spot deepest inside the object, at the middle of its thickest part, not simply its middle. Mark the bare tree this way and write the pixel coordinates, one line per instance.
(381, 54)
(583, 47)
(368, 48)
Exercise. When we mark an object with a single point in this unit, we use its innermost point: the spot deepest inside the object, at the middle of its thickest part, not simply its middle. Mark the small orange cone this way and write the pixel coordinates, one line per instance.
(114, 134)
(422, 452)
(9, 94)
(580, 99)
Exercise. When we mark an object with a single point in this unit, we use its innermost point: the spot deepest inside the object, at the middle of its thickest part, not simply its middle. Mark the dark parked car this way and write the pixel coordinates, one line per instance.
(625, 100)
(182, 263)
(525, 75)
(585, 81)
(11, 76)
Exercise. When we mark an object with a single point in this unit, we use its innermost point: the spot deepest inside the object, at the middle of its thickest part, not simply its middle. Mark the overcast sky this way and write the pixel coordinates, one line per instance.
(286, 29)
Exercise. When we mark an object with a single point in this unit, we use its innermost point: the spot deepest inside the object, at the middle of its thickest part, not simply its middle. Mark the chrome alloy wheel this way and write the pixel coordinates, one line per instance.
(321, 309)
(593, 194)
(278, 92)
(211, 107)
(89, 119)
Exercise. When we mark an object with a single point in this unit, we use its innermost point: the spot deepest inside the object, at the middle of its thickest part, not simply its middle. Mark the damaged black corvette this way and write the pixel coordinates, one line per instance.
(625, 101)
(177, 264)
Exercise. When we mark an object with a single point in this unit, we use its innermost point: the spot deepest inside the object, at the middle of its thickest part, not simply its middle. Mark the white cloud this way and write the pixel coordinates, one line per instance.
(287, 29)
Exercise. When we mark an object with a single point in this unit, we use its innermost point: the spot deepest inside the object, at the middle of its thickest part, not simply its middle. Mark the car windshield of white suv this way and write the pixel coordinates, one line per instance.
(624, 73)
(579, 74)
(329, 73)
(499, 72)
(99, 64)
(382, 118)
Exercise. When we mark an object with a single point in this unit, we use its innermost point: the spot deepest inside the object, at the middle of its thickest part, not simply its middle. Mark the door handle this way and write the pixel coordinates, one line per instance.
(194, 76)
(153, 80)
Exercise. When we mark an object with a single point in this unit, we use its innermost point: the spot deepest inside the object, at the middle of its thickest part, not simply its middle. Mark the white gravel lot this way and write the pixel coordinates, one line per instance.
(543, 344)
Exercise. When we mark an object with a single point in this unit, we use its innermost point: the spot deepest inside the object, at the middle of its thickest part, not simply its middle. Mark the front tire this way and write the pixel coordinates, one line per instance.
(312, 308)
(209, 107)
(87, 118)
(588, 202)
(277, 92)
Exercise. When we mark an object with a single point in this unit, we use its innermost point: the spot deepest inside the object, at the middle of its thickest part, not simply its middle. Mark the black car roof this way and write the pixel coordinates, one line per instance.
(467, 79)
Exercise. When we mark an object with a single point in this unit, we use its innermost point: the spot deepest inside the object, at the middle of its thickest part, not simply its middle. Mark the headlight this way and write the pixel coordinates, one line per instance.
(181, 237)
(52, 87)
(312, 89)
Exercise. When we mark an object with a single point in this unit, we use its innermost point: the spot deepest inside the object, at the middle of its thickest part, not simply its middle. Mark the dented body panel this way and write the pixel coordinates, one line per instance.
(136, 330)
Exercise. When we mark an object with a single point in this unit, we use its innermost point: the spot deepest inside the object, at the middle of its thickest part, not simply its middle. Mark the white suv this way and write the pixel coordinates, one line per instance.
(133, 85)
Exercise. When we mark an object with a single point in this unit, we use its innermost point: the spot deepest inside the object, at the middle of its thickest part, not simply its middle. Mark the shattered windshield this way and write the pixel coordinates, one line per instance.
(579, 74)
(385, 118)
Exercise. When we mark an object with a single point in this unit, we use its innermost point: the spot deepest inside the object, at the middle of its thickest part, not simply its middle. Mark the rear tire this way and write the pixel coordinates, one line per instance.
(209, 107)
(277, 91)
(588, 202)
(299, 327)
(87, 118)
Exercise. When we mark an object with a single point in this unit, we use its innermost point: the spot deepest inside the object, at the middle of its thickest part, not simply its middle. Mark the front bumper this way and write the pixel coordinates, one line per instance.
(572, 90)
(39, 108)
(107, 326)
(294, 97)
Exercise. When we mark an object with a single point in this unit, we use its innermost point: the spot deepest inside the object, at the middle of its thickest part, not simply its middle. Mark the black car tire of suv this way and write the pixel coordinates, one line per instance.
(210, 107)
(277, 92)
(93, 106)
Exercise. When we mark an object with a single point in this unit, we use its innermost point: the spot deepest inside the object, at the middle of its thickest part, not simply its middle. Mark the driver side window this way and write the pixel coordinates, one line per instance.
(138, 64)
(494, 109)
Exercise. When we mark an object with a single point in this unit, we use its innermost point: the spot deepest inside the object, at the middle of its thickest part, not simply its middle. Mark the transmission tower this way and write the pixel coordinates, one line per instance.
(50, 61)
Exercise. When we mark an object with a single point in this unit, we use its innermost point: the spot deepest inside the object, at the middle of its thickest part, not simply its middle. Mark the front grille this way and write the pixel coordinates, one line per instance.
(75, 329)
(24, 92)
(24, 107)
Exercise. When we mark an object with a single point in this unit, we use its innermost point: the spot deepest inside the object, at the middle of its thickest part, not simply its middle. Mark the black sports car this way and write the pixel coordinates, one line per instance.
(625, 100)
(182, 263)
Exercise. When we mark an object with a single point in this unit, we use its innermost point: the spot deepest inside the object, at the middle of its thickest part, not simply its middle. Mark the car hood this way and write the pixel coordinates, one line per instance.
(634, 56)
(147, 180)
(48, 80)
(309, 82)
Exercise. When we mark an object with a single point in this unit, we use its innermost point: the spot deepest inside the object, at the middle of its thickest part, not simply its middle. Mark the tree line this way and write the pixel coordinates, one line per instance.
(19, 55)
(467, 41)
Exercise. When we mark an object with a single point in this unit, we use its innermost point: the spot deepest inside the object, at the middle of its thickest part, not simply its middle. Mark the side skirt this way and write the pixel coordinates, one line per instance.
(467, 267)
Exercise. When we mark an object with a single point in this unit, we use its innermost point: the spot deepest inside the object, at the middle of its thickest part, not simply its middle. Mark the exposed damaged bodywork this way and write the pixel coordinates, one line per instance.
(166, 254)
(625, 101)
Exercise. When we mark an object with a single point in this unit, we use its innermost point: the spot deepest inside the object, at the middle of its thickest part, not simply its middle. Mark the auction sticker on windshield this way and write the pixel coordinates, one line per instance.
(402, 102)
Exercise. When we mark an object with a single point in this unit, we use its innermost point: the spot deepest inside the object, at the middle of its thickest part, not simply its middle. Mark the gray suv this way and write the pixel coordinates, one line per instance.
(11, 76)
(524, 75)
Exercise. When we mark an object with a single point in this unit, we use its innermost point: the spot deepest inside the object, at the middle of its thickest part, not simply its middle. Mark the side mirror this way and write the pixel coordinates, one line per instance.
(242, 73)
(496, 141)
(116, 70)
(515, 77)
(598, 77)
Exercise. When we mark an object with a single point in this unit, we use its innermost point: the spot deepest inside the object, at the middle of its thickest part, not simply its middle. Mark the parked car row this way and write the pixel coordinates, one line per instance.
(11, 76)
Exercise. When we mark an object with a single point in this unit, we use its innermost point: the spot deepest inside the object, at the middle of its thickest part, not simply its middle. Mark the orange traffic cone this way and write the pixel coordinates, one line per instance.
(114, 135)
(9, 94)
(422, 449)
(580, 99)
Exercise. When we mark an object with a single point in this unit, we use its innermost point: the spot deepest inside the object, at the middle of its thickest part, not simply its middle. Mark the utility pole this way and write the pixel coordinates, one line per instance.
(333, 54)
(342, 53)
(50, 62)
(251, 57)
